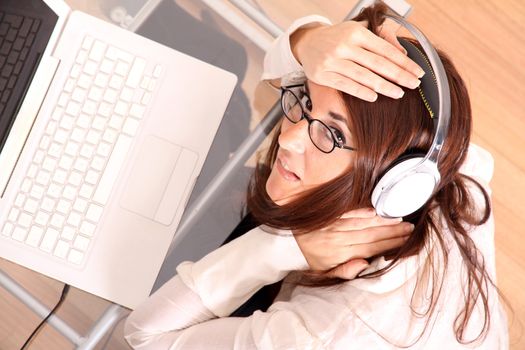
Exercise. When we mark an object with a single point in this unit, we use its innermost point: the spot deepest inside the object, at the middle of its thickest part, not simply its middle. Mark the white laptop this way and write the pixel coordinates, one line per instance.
(102, 136)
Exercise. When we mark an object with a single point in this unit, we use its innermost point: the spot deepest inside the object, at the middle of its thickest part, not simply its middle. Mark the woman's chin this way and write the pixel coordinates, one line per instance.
(274, 194)
(280, 190)
(277, 194)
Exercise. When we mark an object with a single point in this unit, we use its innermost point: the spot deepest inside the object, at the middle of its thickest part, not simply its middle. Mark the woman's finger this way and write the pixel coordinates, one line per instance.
(379, 46)
(342, 82)
(348, 270)
(381, 65)
(356, 223)
(368, 250)
(370, 235)
(367, 69)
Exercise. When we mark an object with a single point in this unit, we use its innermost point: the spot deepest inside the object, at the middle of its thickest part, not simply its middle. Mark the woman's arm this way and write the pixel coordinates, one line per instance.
(158, 326)
(345, 56)
(213, 287)
(183, 313)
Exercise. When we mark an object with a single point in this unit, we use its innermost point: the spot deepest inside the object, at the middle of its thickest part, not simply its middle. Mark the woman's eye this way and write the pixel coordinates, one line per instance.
(339, 136)
(306, 102)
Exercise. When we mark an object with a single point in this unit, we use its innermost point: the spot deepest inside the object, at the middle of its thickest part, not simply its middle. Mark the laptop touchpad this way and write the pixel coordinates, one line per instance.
(160, 174)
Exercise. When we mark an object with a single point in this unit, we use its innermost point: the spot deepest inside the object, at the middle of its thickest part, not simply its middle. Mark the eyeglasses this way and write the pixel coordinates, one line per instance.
(294, 100)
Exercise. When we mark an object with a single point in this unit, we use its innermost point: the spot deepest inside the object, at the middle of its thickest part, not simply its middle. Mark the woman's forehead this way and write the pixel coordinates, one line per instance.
(329, 98)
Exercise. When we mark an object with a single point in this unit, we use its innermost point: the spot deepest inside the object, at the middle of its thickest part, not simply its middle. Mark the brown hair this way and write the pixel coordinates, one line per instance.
(383, 131)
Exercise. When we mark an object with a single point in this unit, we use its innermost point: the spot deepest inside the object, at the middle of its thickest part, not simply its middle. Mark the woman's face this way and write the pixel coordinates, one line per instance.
(299, 164)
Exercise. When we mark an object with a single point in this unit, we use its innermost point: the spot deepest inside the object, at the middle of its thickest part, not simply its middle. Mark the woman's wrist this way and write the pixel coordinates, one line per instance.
(300, 36)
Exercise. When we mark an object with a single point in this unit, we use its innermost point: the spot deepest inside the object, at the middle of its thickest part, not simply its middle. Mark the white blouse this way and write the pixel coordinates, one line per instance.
(190, 311)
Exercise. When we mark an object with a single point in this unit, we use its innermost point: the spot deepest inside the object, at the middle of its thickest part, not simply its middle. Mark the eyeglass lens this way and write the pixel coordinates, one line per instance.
(319, 133)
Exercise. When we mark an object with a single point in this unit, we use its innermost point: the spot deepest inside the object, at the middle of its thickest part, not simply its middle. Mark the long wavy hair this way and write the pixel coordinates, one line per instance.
(383, 131)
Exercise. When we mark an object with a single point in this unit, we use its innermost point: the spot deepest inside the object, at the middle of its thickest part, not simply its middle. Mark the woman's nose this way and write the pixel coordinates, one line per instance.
(293, 137)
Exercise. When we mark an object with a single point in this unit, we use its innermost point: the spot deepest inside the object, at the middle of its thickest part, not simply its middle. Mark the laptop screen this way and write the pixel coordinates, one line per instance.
(25, 29)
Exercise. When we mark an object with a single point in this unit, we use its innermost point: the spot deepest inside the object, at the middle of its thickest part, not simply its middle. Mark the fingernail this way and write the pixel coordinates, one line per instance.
(409, 227)
(420, 73)
(414, 83)
(363, 268)
(400, 93)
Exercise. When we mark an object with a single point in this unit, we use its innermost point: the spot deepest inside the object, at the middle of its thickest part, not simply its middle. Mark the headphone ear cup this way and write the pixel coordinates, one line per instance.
(401, 191)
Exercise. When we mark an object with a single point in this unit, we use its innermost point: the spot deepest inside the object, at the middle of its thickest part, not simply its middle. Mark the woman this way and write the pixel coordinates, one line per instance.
(431, 290)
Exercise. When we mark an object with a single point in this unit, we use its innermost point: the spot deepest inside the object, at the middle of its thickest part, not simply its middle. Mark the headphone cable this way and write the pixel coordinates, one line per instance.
(65, 290)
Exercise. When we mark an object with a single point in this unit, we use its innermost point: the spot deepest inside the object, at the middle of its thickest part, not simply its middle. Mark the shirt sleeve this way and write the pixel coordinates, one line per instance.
(183, 313)
(164, 324)
(279, 61)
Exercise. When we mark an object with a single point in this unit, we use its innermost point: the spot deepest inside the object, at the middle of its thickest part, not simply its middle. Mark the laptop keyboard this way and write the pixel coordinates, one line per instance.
(83, 148)
(17, 35)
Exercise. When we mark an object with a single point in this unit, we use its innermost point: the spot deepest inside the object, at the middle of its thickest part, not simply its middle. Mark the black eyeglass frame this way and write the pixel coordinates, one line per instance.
(310, 120)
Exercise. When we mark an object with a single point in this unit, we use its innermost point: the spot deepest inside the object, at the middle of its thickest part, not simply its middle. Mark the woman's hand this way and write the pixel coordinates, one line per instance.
(341, 248)
(349, 57)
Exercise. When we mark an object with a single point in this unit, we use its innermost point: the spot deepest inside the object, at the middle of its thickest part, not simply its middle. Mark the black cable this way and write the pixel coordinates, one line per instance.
(65, 290)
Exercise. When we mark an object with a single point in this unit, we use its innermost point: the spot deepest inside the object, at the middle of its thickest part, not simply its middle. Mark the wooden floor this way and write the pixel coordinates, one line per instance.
(486, 41)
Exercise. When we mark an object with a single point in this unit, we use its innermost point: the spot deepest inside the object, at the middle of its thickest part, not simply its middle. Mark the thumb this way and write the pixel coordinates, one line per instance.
(349, 270)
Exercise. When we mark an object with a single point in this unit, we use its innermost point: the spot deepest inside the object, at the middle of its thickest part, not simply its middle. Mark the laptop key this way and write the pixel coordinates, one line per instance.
(81, 243)
(8, 228)
(19, 234)
(68, 233)
(26, 27)
(136, 72)
(48, 204)
(11, 34)
(5, 48)
(97, 51)
(23, 53)
(35, 236)
(112, 170)
(50, 237)
(88, 41)
(19, 44)
(87, 228)
(25, 220)
(20, 200)
(4, 28)
(13, 57)
(35, 26)
(75, 257)
(61, 249)
(94, 212)
(30, 39)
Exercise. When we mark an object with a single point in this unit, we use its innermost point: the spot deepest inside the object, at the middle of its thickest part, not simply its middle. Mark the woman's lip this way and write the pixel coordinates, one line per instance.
(288, 175)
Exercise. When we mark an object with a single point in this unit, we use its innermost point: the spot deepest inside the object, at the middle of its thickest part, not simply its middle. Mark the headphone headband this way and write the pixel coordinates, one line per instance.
(440, 102)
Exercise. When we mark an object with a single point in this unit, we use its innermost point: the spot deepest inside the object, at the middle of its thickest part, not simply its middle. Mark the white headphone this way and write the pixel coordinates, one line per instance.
(410, 181)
